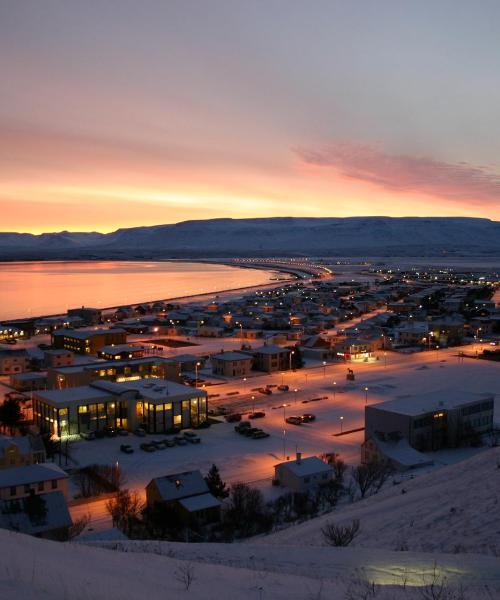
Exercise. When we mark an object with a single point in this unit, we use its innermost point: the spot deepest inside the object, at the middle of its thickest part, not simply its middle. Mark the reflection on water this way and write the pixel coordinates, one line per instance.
(44, 288)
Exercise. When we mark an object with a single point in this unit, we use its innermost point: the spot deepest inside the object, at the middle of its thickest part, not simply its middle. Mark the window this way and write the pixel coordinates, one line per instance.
(40, 486)
(13, 490)
(54, 484)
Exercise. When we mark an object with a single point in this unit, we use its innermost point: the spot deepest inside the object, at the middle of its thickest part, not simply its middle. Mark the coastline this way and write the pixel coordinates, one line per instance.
(225, 293)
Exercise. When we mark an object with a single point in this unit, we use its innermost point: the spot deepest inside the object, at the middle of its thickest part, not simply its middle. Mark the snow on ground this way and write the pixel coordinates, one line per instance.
(452, 509)
(34, 569)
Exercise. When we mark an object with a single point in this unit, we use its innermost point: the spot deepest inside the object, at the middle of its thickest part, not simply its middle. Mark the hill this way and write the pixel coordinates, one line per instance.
(284, 236)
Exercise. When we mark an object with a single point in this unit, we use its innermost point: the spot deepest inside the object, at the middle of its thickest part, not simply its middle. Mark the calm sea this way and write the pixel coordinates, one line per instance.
(45, 288)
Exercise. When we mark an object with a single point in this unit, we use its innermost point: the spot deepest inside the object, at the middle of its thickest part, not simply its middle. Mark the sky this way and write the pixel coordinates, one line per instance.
(119, 113)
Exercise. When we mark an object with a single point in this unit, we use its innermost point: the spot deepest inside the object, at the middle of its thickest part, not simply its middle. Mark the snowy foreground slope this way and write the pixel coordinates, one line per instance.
(452, 514)
(34, 569)
(452, 509)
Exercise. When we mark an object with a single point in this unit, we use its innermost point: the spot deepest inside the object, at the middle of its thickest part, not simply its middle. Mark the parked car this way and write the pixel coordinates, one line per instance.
(192, 437)
(169, 442)
(249, 431)
(257, 435)
(308, 417)
(122, 431)
(126, 448)
(147, 447)
(140, 432)
(87, 435)
(294, 420)
(180, 440)
(159, 444)
(8, 341)
(110, 432)
(257, 415)
(44, 346)
(283, 388)
(265, 390)
(233, 418)
(242, 426)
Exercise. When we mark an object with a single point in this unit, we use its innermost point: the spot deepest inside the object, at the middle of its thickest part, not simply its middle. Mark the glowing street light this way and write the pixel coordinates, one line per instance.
(334, 390)
(366, 395)
(295, 392)
(198, 364)
(341, 423)
(324, 368)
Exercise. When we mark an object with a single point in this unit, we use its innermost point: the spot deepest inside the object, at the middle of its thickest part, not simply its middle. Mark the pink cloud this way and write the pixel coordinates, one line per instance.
(399, 172)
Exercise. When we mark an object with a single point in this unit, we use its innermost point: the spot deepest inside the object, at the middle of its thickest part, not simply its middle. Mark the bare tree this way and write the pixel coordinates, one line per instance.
(370, 477)
(125, 509)
(78, 526)
(185, 575)
(340, 535)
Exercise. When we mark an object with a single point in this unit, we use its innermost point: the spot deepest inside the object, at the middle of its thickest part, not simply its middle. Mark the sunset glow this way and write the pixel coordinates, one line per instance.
(161, 112)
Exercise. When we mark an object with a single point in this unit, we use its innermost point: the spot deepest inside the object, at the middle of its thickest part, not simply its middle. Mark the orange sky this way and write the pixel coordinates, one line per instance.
(154, 113)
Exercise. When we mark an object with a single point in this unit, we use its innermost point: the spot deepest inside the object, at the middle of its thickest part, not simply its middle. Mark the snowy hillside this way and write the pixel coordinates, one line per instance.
(354, 236)
(453, 509)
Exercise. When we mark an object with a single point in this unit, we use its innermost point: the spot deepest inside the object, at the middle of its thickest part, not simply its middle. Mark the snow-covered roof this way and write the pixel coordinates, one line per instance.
(30, 474)
(305, 466)
(419, 404)
(117, 348)
(180, 485)
(231, 356)
(201, 502)
(402, 453)
(271, 349)
(83, 334)
(56, 517)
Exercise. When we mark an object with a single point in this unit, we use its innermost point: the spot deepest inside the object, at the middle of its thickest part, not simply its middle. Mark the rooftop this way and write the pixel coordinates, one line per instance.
(181, 485)
(306, 466)
(30, 474)
(425, 403)
(231, 356)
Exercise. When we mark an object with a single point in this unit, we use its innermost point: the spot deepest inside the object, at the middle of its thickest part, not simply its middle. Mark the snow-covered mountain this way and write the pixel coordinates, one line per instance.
(353, 236)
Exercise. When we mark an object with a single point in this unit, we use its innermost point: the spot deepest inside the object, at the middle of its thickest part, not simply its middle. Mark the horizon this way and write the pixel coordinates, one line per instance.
(119, 113)
(104, 232)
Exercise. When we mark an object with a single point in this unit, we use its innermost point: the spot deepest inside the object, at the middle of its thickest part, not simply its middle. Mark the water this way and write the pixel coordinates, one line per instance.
(46, 288)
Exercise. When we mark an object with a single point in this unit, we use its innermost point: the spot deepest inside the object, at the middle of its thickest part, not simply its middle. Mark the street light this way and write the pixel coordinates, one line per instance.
(334, 390)
(324, 368)
(366, 395)
(341, 423)
(253, 404)
(284, 430)
(196, 374)
(295, 391)
(290, 359)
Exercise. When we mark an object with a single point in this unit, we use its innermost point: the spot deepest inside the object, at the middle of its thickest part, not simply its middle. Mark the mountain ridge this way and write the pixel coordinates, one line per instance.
(286, 236)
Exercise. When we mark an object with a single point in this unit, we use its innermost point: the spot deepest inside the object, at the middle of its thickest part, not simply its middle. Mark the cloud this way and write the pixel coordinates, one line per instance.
(403, 173)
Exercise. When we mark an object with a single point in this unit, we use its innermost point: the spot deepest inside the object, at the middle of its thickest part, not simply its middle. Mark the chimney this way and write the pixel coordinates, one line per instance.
(298, 458)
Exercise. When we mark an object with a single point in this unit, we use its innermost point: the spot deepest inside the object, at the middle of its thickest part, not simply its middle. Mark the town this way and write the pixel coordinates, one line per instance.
(333, 382)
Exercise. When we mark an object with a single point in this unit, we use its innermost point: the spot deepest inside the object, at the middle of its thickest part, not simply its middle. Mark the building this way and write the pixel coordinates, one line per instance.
(186, 493)
(394, 450)
(21, 451)
(41, 515)
(89, 316)
(354, 349)
(120, 352)
(20, 482)
(13, 361)
(27, 381)
(123, 370)
(58, 358)
(270, 358)
(158, 406)
(434, 420)
(231, 364)
(88, 341)
(303, 474)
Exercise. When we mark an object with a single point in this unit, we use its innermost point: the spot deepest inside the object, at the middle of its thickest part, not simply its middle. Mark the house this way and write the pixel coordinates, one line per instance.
(89, 316)
(20, 482)
(20, 451)
(120, 352)
(27, 381)
(231, 364)
(433, 420)
(157, 405)
(58, 358)
(354, 349)
(270, 358)
(209, 331)
(13, 361)
(394, 450)
(303, 474)
(87, 341)
(41, 515)
(187, 493)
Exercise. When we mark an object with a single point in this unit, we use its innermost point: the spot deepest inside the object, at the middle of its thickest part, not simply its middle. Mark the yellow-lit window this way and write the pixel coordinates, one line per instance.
(177, 419)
